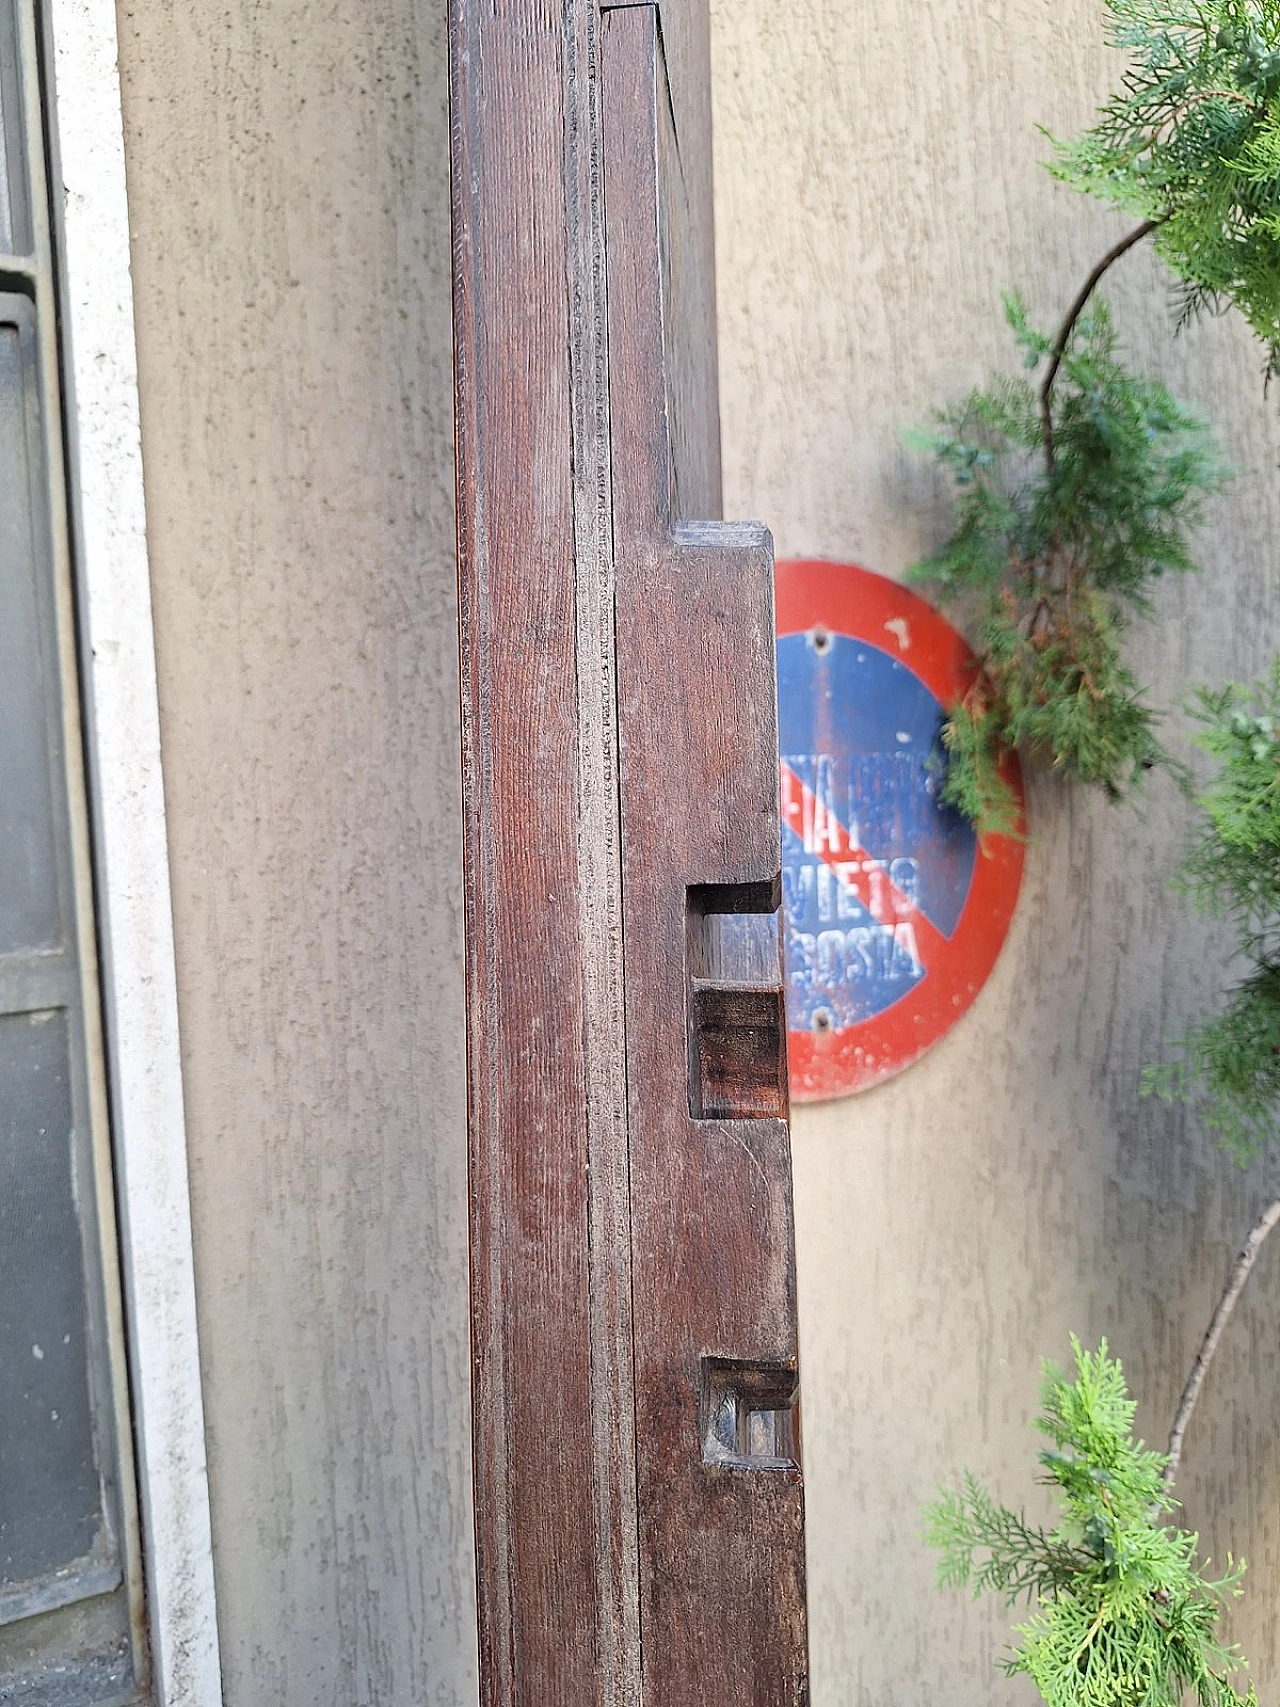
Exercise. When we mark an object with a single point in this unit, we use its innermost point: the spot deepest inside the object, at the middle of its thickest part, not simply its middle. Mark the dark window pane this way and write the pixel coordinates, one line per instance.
(29, 891)
(14, 237)
(50, 1504)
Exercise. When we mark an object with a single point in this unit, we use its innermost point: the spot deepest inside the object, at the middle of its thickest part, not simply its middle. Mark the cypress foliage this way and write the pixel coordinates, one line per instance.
(1051, 558)
(1192, 142)
(1073, 498)
(1121, 1616)
(1232, 1061)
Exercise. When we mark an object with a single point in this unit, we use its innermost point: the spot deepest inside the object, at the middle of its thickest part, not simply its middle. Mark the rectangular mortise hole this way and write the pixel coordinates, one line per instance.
(736, 1011)
(748, 1415)
(733, 932)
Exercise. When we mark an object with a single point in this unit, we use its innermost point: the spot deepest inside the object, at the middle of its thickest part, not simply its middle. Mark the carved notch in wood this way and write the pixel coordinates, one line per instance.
(748, 1415)
(736, 1017)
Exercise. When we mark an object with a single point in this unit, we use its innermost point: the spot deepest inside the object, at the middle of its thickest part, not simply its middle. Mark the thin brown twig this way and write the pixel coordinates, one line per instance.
(1209, 1344)
(1032, 621)
(1069, 324)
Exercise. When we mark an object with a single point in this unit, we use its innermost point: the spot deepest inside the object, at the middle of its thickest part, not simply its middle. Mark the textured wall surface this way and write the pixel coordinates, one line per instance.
(877, 187)
(288, 181)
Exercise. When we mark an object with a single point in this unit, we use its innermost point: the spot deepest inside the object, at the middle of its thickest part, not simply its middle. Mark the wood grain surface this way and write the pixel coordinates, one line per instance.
(532, 1381)
(721, 1536)
(639, 1514)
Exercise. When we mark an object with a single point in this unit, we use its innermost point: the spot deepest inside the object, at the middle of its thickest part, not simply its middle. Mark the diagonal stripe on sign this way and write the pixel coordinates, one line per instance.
(858, 870)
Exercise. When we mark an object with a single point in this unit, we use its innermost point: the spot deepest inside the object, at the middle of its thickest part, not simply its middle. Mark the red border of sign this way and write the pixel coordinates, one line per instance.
(861, 605)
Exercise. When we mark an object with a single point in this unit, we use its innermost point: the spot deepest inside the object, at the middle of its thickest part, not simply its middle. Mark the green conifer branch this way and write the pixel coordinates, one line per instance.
(1230, 1063)
(1122, 1618)
(1190, 144)
(1192, 140)
(1052, 556)
(1121, 1615)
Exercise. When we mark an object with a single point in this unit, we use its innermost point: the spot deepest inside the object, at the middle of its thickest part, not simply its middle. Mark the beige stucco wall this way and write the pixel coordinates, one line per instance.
(877, 187)
(288, 181)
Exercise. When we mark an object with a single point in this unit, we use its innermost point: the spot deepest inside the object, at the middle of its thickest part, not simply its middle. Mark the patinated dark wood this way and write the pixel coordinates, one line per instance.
(638, 1501)
(532, 1387)
(721, 1503)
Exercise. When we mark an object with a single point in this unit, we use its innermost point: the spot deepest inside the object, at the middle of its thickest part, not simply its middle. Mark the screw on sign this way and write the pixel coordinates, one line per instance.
(895, 909)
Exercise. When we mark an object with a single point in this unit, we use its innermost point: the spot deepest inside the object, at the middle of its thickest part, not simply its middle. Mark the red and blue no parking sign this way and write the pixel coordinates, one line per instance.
(895, 909)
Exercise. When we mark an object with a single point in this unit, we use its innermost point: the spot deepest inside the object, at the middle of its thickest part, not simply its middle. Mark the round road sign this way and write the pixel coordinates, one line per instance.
(895, 909)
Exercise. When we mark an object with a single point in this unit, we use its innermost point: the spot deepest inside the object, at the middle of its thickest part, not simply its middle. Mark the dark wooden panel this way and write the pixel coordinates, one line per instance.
(722, 1559)
(638, 1500)
(532, 1377)
(721, 1501)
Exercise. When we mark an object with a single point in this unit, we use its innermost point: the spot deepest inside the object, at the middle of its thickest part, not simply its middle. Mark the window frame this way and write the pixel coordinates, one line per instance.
(101, 453)
(61, 978)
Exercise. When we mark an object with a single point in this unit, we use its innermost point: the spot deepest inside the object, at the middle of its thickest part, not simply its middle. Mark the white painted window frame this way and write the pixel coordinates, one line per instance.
(135, 912)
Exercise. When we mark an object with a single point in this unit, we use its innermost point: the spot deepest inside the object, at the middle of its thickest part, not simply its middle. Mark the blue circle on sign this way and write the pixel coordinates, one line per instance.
(872, 792)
